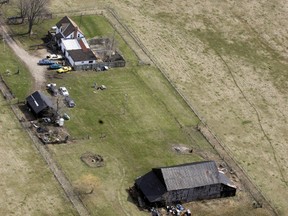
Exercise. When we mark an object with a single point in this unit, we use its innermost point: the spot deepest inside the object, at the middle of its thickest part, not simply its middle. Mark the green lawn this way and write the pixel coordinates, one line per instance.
(9, 66)
(141, 115)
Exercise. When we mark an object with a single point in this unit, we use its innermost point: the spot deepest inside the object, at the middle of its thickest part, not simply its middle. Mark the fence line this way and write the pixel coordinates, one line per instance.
(222, 149)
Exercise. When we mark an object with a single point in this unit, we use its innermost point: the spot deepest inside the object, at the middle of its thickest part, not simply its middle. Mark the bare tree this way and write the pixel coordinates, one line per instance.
(23, 9)
(32, 10)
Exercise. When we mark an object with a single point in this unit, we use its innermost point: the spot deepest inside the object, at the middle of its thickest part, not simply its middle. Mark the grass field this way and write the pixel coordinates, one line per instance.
(27, 185)
(224, 65)
(9, 66)
(143, 118)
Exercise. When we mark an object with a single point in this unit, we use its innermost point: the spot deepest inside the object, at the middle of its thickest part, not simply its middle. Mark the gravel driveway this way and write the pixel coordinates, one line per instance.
(38, 72)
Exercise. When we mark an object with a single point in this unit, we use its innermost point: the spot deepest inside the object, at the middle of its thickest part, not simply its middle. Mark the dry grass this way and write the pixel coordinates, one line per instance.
(228, 58)
(27, 185)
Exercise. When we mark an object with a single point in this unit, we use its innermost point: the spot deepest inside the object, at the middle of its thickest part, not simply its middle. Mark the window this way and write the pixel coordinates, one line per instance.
(90, 62)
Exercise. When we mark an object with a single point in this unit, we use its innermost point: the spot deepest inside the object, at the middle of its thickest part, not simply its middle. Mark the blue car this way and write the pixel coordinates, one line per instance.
(55, 66)
(45, 62)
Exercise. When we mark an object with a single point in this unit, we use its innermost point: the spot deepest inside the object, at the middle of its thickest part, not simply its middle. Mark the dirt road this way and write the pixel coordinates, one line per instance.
(38, 72)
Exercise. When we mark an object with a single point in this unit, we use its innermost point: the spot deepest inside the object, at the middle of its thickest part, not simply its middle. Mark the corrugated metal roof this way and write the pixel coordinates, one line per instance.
(189, 175)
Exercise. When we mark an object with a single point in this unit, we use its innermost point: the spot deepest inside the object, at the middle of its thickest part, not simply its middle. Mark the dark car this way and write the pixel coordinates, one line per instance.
(45, 62)
(55, 66)
(69, 101)
(51, 87)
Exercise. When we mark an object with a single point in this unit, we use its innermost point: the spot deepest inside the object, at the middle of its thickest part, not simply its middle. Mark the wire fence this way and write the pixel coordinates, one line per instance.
(223, 150)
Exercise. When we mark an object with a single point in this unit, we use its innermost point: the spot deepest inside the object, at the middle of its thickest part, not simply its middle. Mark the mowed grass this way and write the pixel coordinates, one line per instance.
(141, 122)
(9, 66)
(27, 185)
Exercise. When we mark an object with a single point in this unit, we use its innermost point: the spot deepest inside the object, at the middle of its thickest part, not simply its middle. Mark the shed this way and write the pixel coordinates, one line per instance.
(39, 104)
(184, 183)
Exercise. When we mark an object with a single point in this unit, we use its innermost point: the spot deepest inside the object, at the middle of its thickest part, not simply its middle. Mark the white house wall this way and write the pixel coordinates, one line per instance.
(70, 60)
(71, 36)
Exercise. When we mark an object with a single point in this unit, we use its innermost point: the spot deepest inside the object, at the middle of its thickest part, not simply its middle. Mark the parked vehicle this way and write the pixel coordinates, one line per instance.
(45, 62)
(55, 66)
(51, 87)
(64, 69)
(54, 57)
(70, 102)
(64, 91)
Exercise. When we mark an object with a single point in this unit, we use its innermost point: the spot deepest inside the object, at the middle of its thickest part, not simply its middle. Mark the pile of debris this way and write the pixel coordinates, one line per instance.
(48, 133)
(177, 210)
(92, 160)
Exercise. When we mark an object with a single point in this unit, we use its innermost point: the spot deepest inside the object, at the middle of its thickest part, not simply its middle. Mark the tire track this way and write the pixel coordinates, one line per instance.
(257, 115)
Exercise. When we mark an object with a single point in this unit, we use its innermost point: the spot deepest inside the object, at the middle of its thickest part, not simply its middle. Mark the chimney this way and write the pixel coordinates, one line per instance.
(75, 32)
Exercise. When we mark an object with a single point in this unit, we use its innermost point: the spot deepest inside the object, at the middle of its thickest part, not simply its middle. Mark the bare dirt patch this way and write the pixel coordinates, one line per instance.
(92, 160)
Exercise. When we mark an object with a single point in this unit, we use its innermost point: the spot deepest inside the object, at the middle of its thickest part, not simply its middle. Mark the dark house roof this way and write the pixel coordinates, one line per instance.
(38, 102)
(82, 55)
(161, 180)
(68, 26)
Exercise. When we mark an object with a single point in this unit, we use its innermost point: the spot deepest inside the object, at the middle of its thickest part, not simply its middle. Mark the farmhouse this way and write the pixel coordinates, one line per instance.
(78, 53)
(67, 29)
(74, 46)
(184, 183)
(39, 104)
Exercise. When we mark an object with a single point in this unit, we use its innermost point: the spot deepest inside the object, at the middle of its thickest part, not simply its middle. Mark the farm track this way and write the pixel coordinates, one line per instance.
(258, 117)
(37, 72)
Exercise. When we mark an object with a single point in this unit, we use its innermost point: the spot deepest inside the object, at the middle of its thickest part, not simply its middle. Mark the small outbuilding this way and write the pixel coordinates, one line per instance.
(184, 183)
(39, 104)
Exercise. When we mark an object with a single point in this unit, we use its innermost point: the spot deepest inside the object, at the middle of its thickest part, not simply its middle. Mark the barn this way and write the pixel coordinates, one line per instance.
(184, 183)
(39, 104)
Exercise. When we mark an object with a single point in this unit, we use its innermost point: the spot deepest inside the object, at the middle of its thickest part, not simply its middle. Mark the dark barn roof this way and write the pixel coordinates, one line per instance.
(185, 176)
(38, 102)
(151, 187)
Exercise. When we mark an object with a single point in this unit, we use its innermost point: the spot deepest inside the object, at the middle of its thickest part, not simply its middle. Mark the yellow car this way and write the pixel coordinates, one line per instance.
(64, 69)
